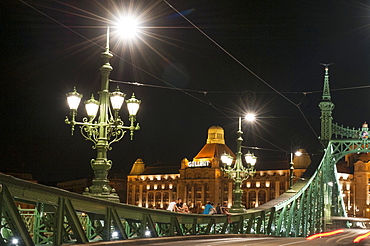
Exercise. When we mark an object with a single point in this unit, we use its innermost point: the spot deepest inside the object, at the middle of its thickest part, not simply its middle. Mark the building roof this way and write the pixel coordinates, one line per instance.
(213, 150)
(343, 168)
(162, 168)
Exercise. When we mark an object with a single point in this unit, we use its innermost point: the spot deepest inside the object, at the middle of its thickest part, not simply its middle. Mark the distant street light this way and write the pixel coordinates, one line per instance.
(250, 117)
(238, 172)
(106, 129)
(291, 168)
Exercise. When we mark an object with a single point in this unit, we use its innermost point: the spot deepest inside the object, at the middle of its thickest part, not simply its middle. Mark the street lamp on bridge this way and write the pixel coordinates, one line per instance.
(291, 168)
(103, 126)
(238, 172)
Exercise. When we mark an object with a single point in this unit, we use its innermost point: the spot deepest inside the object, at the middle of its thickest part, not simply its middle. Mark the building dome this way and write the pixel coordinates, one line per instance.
(138, 167)
(215, 135)
(216, 127)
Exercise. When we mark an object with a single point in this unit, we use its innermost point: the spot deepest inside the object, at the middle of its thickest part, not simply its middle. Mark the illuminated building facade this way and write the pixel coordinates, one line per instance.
(202, 179)
(354, 178)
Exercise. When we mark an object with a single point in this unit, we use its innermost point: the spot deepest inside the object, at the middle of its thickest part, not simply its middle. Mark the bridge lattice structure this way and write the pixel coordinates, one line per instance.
(58, 217)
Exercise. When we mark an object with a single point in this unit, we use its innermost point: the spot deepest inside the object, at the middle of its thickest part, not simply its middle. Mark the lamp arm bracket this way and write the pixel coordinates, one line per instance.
(122, 127)
(131, 128)
(70, 123)
(90, 132)
(115, 121)
(137, 127)
(117, 135)
(85, 122)
(67, 121)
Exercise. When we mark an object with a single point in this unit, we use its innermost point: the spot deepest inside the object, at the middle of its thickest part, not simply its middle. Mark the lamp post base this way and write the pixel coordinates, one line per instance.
(237, 210)
(109, 196)
(237, 207)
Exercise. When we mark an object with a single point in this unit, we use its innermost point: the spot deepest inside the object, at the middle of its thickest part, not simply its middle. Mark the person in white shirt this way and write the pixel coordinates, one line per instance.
(172, 206)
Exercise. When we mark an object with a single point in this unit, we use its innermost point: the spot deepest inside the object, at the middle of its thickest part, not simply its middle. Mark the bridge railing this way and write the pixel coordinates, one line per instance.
(56, 216)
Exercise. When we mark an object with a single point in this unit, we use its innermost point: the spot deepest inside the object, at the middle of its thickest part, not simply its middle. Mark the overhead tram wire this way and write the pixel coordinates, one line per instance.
(185, 91)
(245, 67)
(95, 16)
(266, 149)
(118, 56)
(152, 75)
(136, 83)
(230, 55)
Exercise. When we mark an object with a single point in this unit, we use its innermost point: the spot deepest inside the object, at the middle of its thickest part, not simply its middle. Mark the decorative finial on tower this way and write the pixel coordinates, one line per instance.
(326, 89)
(326, 106)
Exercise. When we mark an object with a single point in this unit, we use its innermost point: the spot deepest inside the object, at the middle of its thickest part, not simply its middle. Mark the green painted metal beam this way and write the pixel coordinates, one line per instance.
(73, 220)
(118, 225)
(13, 219)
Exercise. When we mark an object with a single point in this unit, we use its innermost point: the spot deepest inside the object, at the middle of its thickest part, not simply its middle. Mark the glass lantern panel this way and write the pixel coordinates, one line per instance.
(91, 109)
(132, 108)
(253, 161)
(227, 159)
(117, 101)
(248, 157)
(73, 101)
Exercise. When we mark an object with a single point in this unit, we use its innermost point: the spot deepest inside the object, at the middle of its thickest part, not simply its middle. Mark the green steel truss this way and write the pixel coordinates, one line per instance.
(57, 217)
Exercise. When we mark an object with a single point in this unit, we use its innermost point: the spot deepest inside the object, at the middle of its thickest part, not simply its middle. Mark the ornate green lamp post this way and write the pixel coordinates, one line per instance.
(103, 126)
(291, 168)
(238, 172)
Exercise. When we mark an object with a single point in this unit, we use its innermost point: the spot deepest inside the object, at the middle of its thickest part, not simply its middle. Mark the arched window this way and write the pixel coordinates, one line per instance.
(157, 197)
(166, 197)
(150, 198)
(137, 197)
(252, 199)
(282, 186)
(261, 197)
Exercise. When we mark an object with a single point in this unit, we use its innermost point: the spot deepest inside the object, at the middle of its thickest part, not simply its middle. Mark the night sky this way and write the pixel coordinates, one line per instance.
(207, 66)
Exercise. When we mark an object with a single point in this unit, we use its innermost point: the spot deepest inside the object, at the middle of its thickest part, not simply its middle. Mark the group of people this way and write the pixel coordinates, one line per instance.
(224, 209)
(178, 206)
(210, 209)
